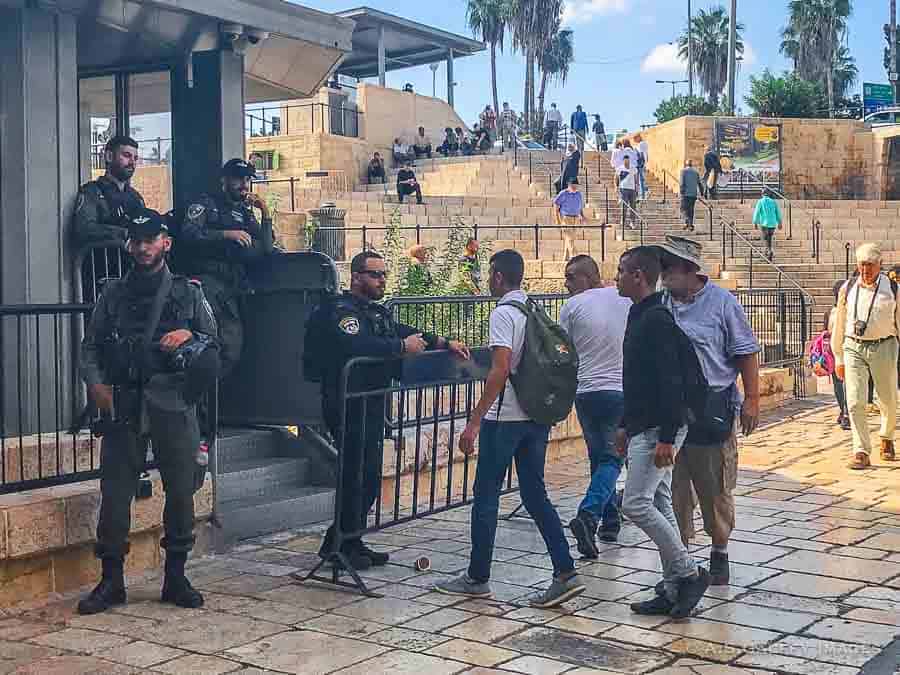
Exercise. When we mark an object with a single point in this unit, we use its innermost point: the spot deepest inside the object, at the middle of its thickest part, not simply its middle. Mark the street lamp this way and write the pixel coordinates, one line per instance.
(434, 68)
(673, 83)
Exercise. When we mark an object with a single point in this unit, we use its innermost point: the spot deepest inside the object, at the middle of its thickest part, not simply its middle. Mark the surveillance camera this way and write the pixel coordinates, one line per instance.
(255, 36)
(232, 31)
(241, 45)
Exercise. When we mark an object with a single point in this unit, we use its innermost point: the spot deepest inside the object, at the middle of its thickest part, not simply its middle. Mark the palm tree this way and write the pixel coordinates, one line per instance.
(534, 23)
(709, 34)
(488, 21)
(813, 39)
(554, 63)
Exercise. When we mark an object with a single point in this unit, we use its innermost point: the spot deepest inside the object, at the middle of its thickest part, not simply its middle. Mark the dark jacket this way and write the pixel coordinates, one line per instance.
(101, 210)
(123, 309)
(402, 175)
(651, 375)
(570, 167)
(347, 327)
(712, 161)
(203, 249)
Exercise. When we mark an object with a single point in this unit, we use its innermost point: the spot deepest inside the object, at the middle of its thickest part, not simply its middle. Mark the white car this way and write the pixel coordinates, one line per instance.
(883, 118)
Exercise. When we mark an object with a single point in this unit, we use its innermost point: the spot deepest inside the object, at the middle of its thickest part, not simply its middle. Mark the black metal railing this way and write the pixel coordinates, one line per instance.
(461, 317)
(41, 396)
(307, 118)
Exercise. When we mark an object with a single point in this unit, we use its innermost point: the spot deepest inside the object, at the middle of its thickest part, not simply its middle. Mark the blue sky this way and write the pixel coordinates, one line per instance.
(621, 49)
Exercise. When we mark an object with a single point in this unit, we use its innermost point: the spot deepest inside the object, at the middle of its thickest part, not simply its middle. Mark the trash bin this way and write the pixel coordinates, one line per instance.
(327, 239)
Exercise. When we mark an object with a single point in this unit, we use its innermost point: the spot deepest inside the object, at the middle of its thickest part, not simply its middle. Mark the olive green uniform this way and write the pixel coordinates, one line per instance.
(163, 415)
(101, 211)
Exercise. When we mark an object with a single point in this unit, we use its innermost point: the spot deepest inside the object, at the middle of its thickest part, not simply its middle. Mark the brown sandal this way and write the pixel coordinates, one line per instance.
(860, 461)
(887, 451)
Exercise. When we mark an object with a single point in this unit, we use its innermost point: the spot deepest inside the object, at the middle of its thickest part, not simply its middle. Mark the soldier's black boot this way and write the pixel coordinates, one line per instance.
(176, 588)
(109, 592)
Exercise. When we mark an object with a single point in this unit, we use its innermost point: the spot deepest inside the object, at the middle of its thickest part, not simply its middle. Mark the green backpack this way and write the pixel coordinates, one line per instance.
(546, 379)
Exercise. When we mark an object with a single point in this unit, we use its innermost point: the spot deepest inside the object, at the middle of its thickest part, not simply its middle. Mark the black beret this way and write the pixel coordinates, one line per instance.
(146, 224)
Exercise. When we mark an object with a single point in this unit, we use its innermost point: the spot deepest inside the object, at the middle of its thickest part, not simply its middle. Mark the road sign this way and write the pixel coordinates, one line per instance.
(876, 97)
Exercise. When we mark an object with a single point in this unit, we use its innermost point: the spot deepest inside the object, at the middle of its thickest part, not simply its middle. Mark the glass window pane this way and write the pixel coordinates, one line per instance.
(150, 124)
(96, 123)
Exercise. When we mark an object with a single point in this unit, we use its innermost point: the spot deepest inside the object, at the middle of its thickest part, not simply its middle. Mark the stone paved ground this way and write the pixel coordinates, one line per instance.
(816, 589)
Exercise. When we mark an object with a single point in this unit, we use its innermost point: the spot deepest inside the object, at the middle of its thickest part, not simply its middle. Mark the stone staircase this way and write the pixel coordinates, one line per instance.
(506, 198)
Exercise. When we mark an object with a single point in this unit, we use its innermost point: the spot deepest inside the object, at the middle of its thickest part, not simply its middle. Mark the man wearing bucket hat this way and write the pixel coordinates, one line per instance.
(706, 466)
(220, 239)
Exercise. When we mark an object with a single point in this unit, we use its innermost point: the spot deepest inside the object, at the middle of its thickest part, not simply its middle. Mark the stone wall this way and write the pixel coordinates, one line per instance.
(820, 158)
(392, 113)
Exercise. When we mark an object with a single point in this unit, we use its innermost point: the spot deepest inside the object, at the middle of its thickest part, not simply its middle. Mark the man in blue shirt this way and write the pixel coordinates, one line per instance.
(569, 211)
(579, 124)
(716, 324)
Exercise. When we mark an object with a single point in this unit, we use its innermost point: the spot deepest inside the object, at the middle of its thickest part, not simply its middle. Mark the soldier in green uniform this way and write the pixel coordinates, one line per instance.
(133, 359)
(104, 205)
(219, 241)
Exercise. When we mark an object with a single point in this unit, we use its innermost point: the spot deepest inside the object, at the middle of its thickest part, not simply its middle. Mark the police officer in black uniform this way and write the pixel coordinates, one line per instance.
(144, 388)
(219, 240)
(348, 326)
(104, 205)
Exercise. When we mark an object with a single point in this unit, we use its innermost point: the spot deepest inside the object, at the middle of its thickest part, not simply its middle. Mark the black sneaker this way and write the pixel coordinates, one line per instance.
(106, 594)
(845, 423)
(178, 591)
(356, 558)
(657, 606)
(609, 533)
(584, 527)
(719, 571)
(660, 587)
(378, 559)
(690, 592)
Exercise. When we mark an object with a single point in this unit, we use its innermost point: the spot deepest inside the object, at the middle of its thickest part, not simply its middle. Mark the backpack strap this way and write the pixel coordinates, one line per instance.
(522, 307)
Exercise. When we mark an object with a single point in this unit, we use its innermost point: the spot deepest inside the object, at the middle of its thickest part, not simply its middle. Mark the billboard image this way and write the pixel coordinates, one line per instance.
(750, 146)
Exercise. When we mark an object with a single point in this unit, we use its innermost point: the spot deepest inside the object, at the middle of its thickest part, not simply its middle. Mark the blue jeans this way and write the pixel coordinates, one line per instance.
(600, 413)
(498, 444)
(642, 177)
(648, 504)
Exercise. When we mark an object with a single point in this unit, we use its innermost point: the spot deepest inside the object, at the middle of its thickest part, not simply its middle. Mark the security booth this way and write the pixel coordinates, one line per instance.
(175, 75)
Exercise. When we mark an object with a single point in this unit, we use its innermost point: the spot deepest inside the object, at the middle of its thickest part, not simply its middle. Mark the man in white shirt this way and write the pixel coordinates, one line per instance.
(864, 342)
(627, 179)
(551, 128)
(505, 431)
(595, 319)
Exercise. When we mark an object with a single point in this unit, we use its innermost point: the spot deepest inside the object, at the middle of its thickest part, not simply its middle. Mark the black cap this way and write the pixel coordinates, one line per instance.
(238, 168)
(146, 224)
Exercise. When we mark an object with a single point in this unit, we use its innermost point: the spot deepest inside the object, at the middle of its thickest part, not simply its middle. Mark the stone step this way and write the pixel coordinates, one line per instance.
(261, 476)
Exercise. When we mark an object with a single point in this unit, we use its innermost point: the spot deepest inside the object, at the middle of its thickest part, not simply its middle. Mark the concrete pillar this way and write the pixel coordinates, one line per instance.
(382, 62)
(450, 83)
(39, 153)
(207, 121)
(39, 166)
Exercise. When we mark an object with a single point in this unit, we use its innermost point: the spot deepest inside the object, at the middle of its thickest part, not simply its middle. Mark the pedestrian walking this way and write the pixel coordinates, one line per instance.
(569, 167)
(643, 156)
(689, 188)
(712, 165)
(715, 322)
(866, 328)
(627, 181)
(595, 318)
(505, 432)
(579, 126)
(653, 429)
(600, 134)
(569, 213)
(767, 217)
(488, 119)
(508, 125)
(551, 128)
(840, 392)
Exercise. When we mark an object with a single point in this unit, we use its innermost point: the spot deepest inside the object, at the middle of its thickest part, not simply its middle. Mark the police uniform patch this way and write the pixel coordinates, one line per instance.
(349, 324)
(195, 211)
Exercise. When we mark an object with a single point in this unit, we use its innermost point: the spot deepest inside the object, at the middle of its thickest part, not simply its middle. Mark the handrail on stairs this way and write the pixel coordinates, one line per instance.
(730, 229)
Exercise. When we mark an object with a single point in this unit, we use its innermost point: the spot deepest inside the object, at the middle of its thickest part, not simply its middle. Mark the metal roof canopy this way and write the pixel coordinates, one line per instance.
(406, 43)
(302, 48)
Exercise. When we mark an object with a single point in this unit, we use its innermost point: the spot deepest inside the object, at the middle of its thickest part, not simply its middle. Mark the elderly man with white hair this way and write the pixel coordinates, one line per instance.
(864, 342)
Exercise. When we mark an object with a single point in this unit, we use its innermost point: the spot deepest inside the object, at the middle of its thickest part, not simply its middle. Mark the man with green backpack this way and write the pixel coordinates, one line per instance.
(531, 386)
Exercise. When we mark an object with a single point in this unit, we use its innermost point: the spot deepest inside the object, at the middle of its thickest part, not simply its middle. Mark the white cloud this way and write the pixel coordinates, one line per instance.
(585, 11)
(664, 59)
(749, 56)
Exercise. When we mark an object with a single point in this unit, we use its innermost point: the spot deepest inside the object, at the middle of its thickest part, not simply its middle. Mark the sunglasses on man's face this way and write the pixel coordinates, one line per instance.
(375, 274)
